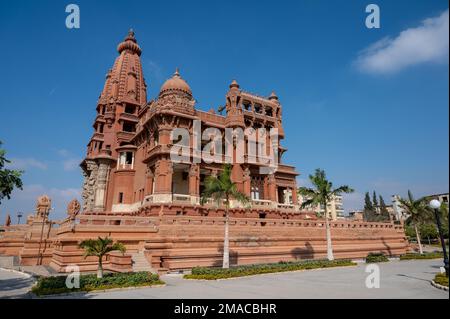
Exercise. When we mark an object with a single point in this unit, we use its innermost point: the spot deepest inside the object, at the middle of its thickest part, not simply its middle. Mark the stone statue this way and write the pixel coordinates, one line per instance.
(73, 208)
(8, 220)
(43, 206)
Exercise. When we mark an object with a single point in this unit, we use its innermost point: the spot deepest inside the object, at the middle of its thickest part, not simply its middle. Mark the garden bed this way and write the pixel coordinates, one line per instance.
(412, 256)
(376, 258)
(57, 285)
(441, 279)
(250, 270)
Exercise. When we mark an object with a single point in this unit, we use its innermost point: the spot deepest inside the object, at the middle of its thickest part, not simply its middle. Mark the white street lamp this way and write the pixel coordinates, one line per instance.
(435, 205)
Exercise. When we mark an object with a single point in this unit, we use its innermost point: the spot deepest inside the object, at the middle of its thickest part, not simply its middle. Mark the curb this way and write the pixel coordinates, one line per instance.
(68, 294)
(438, 286)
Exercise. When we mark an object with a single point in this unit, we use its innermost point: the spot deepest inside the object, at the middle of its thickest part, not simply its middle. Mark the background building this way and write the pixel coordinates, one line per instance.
(335, 207)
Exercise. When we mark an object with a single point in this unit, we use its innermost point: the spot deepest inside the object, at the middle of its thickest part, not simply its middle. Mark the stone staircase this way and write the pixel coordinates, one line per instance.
(140, 263)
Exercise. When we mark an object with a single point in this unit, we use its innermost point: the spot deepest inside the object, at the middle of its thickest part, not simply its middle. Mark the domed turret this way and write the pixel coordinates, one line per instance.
(129, 44)
(175, 84)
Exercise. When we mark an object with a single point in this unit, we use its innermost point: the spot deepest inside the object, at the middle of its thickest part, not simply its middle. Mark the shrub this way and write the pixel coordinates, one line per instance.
(376, 258)
(57, 285)
(441, 279)
(248, 270)
(410, 256)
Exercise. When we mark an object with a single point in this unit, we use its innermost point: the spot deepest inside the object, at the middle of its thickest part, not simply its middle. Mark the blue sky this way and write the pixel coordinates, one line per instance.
(370, 106)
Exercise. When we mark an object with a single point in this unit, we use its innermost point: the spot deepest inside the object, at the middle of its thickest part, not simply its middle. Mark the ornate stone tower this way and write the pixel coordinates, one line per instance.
(123, 95)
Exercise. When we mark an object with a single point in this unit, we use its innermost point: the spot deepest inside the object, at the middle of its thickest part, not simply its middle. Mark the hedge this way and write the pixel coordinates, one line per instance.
(376, 258)
(57, 285)
(248, 270)
(410, 256)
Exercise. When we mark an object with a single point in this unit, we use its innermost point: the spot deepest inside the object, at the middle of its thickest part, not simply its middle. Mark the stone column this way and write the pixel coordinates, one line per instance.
(149, 182)
(247, 182)
(194, 180)
(194, 184)
(163, 181)
(294, 195)
(272, 187)
(89, 185)
(100, 187)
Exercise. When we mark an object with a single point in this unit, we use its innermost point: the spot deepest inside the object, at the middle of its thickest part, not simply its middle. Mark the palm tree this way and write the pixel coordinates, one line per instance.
(221, 189)
(418, 212)
(322, 194)
(100, 247)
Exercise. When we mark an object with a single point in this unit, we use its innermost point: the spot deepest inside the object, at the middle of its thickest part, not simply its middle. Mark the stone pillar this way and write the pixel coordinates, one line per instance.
(163, 181)
(247, 182)
(294, 195)
(148, 189)
(237, 177)
(100, 187)
(272, 187)
(89, 185)
(194, 180)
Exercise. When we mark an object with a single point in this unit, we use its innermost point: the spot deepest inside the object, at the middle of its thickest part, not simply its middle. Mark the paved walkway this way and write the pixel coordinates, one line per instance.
(399, 279)
(14, 284)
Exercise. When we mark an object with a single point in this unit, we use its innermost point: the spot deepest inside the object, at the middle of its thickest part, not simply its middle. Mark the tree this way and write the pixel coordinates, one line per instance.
(384, 213)
(429, 231)
(322, 194)
(368, 203)
(374, 199)
(9, 179)
(369, 209)
(221, 189)
(100, 247)
(418, 212)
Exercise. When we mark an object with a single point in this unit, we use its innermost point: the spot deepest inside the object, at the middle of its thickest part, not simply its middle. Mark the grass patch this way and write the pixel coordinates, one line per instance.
(57, 285)
(241, 271)
(376, 258)
(411, 256)
(441, 279)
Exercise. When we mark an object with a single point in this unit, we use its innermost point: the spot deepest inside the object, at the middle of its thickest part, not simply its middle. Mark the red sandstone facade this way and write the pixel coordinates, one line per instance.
(128, 166)
(135, 194)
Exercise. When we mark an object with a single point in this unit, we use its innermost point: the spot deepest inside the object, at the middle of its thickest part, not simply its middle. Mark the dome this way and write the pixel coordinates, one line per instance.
(175, 83)
(129, 44)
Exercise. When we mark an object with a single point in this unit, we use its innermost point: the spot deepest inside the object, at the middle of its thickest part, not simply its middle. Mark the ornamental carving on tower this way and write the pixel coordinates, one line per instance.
(73, 208)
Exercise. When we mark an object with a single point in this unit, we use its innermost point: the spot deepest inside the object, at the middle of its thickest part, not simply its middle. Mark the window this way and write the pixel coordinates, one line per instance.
(129, 109)
(120, 198)
(129, 127)
(247, 106)
(126, 160)
(255, 193)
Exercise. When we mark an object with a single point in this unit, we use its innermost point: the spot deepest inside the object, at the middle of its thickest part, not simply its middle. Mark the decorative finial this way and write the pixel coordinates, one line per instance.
(234, 84)
(177, 72)
(273, 96)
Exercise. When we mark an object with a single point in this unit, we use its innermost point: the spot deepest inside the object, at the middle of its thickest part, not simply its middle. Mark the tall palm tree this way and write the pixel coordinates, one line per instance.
(322, 194)
(100, 247)
(418, 212)
(221, 189)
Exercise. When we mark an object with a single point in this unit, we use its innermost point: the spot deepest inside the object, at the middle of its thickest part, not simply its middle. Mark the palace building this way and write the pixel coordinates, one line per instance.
(128, 166)
(135, 193)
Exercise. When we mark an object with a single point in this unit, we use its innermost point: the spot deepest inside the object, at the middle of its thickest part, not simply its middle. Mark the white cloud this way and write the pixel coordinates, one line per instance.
(427, 43)
(70, 163)
(25, 163)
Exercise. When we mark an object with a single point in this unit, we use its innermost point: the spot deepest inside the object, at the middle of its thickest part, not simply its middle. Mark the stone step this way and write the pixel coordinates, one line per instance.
(140, 263)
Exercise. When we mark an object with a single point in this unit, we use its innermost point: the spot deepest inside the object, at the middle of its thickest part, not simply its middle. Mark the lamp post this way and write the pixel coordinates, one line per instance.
(19, 216)
(435, 204)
